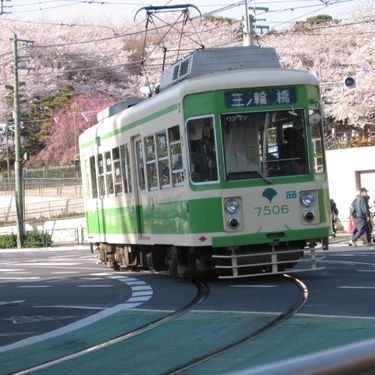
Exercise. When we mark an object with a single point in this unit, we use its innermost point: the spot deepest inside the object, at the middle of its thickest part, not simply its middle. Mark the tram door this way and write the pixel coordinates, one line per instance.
(140, 192)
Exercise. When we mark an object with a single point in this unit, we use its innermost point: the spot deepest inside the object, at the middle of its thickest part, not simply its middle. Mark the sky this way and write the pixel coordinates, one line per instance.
(280, 13)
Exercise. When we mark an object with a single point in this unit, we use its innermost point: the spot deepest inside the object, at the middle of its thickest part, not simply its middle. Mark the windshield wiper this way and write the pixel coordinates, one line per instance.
(247, 161)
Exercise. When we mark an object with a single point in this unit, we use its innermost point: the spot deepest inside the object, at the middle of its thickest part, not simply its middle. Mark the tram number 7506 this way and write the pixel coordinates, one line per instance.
(272, 210)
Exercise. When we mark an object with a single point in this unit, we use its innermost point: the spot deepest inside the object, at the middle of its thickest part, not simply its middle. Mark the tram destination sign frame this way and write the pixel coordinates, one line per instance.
(262, 97)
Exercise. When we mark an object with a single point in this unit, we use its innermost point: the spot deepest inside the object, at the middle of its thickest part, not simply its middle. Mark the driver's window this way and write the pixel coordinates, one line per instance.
(202, 150)
(264, 144)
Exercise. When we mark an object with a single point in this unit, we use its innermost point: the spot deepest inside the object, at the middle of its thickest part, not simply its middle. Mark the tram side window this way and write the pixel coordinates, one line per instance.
(94, 185)
(152, 176)
(101, 185)
(91, 186)
(163, 159)
(176, 156)
(117, 171)
(202, 150)
(140, 166)
(108, 173)
(126, 168)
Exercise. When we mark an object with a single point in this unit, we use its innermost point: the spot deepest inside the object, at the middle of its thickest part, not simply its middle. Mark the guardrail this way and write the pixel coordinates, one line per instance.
(62, 208)
(44, 187)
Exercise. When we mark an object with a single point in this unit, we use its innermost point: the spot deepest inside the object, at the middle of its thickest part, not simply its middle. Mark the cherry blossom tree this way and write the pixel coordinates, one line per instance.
(66, 124)
(106, 62)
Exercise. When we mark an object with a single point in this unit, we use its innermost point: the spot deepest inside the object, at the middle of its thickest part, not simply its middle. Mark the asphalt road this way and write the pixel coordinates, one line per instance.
(57, 302)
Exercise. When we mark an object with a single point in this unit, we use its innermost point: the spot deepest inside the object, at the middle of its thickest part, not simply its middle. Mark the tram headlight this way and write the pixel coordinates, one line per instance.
(232, 206)
(307, 199)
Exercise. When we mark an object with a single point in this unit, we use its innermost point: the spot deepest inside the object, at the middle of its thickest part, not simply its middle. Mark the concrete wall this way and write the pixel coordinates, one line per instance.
(348, 171)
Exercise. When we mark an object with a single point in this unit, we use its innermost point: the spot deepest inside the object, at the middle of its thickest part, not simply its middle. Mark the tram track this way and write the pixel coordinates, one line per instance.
(203, 291)
(183, 365)
(302, 297)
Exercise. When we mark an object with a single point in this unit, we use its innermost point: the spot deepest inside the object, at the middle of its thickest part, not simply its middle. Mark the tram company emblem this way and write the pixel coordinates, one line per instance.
(269, 193)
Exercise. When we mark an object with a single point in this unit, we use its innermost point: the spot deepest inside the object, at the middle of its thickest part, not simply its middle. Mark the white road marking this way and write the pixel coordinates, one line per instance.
(10, 269)
(147, 293)
(116, 277)
(11, 303)
(131, 283)
(74, 307)
(95, 286)
(47, 264)
(131, 303)
(137, 288)
(20, 278)
(355, 287)
(34, 286)
(140, 293)
(138, 299)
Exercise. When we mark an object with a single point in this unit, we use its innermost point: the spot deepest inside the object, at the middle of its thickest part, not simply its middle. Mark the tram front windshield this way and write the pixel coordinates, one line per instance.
(265, 144)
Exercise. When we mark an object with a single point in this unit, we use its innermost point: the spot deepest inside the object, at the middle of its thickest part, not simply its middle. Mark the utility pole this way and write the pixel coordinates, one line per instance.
(246, 37)
(250, 25)
(2, 7)
(17, 145)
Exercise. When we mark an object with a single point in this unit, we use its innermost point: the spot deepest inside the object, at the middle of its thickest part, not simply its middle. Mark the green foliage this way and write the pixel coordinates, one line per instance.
(37, 239)
(36, 116)
(359, 142)
(320, 19)
(220, 20)
(8, 241)
(33, 240)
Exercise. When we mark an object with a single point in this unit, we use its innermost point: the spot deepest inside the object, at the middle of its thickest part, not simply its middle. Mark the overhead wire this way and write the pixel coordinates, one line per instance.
(98, 41)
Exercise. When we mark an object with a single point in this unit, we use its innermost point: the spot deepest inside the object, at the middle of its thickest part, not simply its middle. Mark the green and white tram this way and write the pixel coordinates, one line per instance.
(219, 173)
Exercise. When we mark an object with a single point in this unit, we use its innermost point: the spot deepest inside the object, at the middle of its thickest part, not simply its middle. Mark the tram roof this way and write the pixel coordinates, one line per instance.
(208, 70)
(207, 61)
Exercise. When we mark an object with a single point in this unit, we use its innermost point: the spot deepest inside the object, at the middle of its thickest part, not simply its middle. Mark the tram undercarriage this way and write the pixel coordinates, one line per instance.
(195, 262)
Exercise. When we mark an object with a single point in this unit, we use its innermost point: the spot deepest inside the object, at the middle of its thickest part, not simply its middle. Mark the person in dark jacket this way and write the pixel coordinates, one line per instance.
(334, 216)
(362, 216)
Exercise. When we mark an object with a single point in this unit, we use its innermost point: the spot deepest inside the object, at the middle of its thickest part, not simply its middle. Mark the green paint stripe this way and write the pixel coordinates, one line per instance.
(133, 124)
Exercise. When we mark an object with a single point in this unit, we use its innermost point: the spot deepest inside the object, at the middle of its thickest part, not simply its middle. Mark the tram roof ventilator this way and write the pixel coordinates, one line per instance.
(206, 61)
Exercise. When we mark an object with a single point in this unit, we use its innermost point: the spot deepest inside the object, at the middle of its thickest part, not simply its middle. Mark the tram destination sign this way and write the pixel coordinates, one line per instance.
(256, 98)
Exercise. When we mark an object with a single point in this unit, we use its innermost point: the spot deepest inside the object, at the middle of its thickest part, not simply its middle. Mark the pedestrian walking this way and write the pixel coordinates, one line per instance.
(367, 236)
(351, 227)
(334, 217)
(361, 212)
